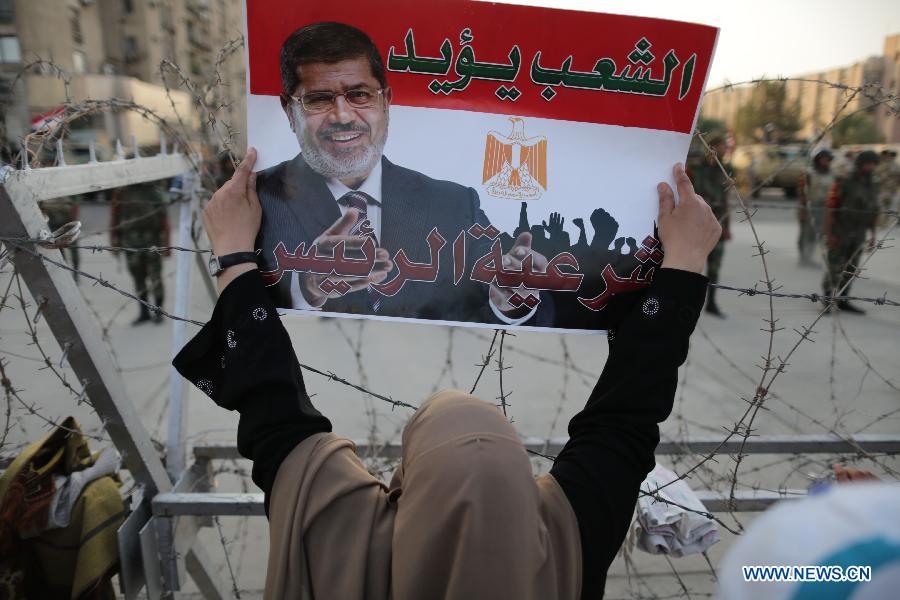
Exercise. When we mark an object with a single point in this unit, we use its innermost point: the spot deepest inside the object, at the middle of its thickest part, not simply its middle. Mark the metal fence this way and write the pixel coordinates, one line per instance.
(158, 540)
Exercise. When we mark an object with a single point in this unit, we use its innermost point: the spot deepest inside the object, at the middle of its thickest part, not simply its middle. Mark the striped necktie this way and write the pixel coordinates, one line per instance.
(361, 201)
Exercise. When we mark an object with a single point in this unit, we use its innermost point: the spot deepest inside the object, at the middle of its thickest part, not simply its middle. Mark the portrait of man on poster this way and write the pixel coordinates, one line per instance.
(341, 194)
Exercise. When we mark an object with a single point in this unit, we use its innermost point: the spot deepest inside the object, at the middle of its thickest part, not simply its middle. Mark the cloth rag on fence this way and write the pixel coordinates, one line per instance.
(60, 508)
(667, 524)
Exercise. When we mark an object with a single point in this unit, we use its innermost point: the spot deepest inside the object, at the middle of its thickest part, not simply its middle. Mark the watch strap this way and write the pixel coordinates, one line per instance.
(236, 258)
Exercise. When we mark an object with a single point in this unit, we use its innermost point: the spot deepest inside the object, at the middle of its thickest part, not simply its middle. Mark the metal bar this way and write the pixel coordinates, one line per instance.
(171, 563)
(208, 281)
(131, 565)
(150, 554)
(773, 444)
(199, 566)
(69, 319)
(65, 311)
(746, 501)
(178, 413)
(172, 504)
(54, 182)
(787, 444)
(182, 541)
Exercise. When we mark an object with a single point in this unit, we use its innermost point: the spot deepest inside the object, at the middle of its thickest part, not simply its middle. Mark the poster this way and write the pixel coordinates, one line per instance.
(462, 162)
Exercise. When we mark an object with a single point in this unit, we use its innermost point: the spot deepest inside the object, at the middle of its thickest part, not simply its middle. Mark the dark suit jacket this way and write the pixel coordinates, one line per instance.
(298, 207)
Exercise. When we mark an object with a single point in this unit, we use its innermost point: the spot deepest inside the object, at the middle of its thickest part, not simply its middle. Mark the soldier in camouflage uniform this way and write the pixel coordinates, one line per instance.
(139, 220)
(813, 189)
(710, 183)
(887, 176)
(851, 211)
(60, 211)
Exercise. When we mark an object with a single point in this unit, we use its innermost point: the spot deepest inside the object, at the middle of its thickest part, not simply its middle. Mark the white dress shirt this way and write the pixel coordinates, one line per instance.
(372, 187)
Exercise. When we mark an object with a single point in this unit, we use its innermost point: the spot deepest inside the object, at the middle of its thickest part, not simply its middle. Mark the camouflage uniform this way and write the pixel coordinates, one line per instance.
(814, 188)
(852, 210)
(140, 220)
(710, 183)
(887, 176)
(60, 211)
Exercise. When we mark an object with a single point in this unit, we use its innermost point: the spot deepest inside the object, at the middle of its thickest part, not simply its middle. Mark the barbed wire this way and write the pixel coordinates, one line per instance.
(812, 296)
(699, 469)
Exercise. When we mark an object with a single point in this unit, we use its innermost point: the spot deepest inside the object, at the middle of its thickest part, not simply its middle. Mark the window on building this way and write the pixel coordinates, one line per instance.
(7, 11)
(131, 48)
(79, 62)
(165, 17)
(9, 49)
(128, 6)
(75, 22)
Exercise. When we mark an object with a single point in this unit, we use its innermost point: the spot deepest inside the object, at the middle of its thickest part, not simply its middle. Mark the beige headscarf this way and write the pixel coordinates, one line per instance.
(463, 518)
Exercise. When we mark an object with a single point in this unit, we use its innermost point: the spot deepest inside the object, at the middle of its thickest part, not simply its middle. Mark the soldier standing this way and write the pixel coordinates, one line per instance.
(813, 189)
(712, 184)
(887, 176)
(139, 220)
(851, 210)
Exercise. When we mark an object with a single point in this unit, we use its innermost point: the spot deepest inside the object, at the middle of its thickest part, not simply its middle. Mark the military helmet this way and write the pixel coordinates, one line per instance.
(715, 137)
(867, 157)
(824, 153)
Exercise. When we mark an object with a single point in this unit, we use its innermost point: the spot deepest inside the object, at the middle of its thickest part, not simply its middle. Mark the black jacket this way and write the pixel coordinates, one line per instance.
(243, 359)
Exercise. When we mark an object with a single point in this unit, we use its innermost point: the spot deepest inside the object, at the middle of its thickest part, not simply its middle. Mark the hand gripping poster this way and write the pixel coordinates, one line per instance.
(462, 162)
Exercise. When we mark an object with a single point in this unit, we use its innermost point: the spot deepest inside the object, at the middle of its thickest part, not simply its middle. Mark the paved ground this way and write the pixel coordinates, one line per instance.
(844, 381)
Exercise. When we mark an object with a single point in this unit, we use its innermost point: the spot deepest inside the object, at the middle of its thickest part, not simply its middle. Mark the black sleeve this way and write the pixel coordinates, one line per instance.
(243, 359)
(612, 441)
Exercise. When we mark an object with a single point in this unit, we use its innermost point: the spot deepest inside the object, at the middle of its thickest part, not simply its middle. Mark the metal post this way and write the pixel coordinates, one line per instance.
(72, 324)
(175, 444)
(68, 317)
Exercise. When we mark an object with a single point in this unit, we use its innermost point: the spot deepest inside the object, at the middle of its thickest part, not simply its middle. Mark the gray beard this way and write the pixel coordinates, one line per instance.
(340, 167)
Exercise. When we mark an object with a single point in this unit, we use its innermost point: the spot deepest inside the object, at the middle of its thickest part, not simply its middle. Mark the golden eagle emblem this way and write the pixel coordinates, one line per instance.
(515, 167)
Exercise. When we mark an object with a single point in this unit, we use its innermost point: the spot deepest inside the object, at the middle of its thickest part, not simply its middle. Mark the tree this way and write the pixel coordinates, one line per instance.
(768, 115)
(706, 126)
(858, 128)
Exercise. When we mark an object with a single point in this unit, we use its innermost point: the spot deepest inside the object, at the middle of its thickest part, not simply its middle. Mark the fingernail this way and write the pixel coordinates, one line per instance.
(660, 187)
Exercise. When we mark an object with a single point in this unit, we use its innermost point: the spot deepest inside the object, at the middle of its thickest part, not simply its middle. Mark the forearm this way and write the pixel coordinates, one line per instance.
(243, 359)
(612, 440)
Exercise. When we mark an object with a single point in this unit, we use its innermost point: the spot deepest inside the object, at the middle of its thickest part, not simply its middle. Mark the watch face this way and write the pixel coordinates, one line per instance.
(214, 267)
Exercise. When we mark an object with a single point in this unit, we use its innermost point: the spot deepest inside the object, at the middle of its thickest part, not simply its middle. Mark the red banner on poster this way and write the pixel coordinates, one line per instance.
(501, 58)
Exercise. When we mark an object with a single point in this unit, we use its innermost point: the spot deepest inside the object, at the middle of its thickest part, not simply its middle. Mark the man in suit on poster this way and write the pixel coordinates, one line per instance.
(340, 188)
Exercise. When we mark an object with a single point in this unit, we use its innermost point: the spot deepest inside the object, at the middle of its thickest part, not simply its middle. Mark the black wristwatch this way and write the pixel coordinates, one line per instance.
(217, 264)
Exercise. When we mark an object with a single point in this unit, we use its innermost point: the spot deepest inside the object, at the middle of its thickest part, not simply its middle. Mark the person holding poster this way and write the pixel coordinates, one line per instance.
(341, 193)
(463, 517)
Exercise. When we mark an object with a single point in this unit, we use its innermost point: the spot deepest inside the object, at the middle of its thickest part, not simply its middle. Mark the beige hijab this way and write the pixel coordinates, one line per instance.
(463, 518)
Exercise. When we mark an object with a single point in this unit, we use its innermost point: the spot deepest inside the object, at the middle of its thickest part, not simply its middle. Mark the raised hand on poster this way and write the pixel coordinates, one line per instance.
(325, 243)
(688, 230)
(232, 217)
(513, 261)
(556, 224)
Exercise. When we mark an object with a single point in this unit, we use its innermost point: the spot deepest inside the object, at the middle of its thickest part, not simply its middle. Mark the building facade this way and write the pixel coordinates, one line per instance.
(819, 103)
(101, 49)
